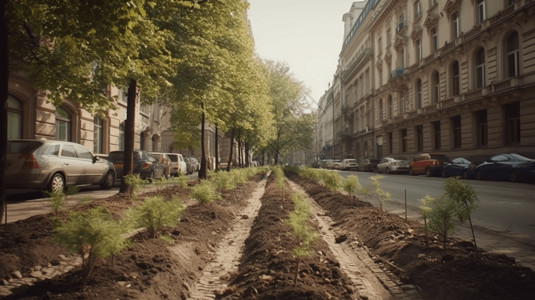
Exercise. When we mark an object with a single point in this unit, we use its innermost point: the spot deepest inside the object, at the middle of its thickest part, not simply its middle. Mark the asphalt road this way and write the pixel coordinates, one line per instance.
(504, 221)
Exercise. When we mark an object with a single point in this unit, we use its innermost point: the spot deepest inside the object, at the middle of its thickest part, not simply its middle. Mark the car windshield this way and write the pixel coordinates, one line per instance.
(173, 158)
(440, 157)
(520, 157)
(399, 158)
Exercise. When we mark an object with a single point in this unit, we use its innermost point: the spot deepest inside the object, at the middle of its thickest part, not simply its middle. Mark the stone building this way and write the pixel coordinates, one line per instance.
(449, 76)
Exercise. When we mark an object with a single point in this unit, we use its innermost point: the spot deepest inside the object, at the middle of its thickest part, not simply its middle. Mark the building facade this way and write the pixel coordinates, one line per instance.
(449, 76)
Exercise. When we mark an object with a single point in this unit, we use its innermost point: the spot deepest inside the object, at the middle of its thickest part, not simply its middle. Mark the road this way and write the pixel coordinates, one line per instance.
(504, 221)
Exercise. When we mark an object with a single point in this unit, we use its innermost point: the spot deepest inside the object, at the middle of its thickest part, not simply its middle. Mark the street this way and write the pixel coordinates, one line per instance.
(503, 221)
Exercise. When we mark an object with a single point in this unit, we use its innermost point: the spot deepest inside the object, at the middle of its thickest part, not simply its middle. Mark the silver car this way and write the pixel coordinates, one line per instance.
(393, 164)
(52, 165)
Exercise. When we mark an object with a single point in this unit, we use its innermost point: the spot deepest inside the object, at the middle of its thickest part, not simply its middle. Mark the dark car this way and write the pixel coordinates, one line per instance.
(145, 165)
(368, 165)
(461, 167)
(507, 166)
(52, 165)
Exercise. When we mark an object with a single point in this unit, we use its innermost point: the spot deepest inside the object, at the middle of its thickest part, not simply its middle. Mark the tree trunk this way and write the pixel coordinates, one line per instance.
(276, 162)
(203, 173)
(216, 148)
(240, 157)
(130, 125)
(4, 77)
(247, 158)
(229, 162)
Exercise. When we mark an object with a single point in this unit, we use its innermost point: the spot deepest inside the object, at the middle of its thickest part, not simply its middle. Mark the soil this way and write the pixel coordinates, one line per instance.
(239, 247)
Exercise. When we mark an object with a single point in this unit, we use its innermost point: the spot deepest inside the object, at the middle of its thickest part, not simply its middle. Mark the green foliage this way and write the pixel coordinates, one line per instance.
(167, 238)
(135, 182)
(352, 185)
(425, 211)
(465, 196)
(94, 234)
(204, 192)
(443, 210)
(278, 174)
(182, 181)
(57, 198)
(376, 192)
(223, 180)
(155, 213)
(310, 173)
(333, 180)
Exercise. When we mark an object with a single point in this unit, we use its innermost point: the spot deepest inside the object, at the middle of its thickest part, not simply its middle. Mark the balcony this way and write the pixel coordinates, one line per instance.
(397, 72)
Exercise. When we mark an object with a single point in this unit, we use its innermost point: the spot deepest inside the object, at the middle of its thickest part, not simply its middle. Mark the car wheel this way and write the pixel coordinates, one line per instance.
(109, 180)
(513, 177)
(411, 172)
(387, 170)
(56, 183)
(479, 175)
(151, 176)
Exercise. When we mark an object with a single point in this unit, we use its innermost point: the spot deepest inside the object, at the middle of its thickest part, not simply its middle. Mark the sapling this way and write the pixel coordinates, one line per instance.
(298, 220)
(377, 192)
(443, 209)
(94, 234)
(58, 198)
(204, 192)
(352, 185)
(462, 193)
(425, 211)
(135, 183)
(332, 180)
(155, 213)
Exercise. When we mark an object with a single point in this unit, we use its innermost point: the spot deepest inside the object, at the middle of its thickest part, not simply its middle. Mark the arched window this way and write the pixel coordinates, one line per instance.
(14, 118)
(455, 79)
(63, 124)
(479, 69)
(435, 87)
(98, 135)
(419, 94)
(512, 55)
(121, 136)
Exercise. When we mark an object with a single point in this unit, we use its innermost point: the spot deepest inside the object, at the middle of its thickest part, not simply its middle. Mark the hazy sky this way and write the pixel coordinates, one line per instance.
(305, 34)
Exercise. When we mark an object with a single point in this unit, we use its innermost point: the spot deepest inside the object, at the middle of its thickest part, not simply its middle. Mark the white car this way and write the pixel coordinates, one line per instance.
(349, 164)
(393, 164)
(178, 164)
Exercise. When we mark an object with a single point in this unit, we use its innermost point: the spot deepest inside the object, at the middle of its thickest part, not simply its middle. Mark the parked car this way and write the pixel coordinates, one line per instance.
(393, 164)
(145, 165)
(368, 165)
(163, 159)
(197, 165)
(178, 165)
(334, 164)
(462, 167)
(52, 165)
(192, 164)
(507, 166)
(429, 164)
(349, 164)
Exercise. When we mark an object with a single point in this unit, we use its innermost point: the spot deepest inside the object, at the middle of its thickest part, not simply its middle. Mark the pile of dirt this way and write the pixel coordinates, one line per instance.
(158, 269)
(459, 272)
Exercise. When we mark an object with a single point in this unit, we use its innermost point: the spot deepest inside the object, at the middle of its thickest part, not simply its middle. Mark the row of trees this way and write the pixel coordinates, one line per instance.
(194, 56)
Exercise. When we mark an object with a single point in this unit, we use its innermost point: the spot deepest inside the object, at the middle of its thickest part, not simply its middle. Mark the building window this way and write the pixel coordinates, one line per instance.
(121, 135)
(14, 118)
(390, 143)
(417, 10)
(419, 54)
(455, 79)
(512, 123)
(456, 130)
(435, 87)
(98, 135)
(404, 140)
(480, 11)
(436, 135)
(402, 101)
(455, 28)
(480, 69)
(420, 138)
(63, 124)
(390, 108)
(381, 110)
(434, 39)
(419, 94)
(512, 59)
(481, 128)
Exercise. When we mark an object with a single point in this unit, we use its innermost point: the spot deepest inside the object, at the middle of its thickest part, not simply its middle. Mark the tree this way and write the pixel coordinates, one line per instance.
(463, 194)
(293, 126)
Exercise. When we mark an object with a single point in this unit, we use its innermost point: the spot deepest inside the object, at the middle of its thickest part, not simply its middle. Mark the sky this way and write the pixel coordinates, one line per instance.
(307, 35)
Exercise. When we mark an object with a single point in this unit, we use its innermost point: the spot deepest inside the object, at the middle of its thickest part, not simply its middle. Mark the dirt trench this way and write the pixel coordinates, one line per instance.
(336, 269)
